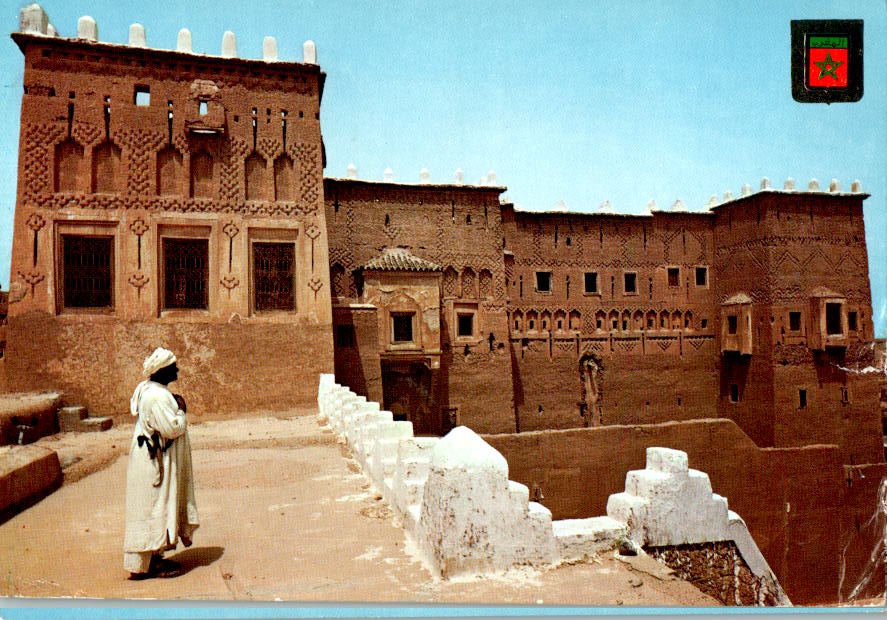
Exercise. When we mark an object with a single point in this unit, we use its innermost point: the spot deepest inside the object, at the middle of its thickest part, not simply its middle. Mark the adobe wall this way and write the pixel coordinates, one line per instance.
(780, 248)
(224, 368)
(458, 228)
(94, 163)
(659, 339)
(794, 500)
(357, 365)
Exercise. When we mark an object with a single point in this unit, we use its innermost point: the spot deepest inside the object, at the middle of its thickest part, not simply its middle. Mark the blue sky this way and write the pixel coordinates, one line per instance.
(579, 102)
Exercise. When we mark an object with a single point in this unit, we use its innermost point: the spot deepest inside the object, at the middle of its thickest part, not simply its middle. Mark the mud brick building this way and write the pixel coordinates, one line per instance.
(170, 198)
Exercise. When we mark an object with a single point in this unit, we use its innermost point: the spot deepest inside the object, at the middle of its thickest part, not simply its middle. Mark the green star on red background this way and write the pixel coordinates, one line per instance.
(828, 67)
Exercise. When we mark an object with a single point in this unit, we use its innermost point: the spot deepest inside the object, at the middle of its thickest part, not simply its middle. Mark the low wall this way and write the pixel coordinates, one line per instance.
(27, 473)
(224, 366)
(24, 418)
(455, 499)
(796, 501)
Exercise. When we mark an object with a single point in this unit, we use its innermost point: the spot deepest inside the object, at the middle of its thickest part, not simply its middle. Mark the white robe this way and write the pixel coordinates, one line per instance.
(157, 515)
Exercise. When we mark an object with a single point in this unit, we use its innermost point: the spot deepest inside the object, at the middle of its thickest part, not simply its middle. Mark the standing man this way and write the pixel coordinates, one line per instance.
(160, 504)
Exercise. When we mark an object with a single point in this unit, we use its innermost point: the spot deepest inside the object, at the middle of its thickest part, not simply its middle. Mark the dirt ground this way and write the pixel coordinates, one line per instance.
(285, 515)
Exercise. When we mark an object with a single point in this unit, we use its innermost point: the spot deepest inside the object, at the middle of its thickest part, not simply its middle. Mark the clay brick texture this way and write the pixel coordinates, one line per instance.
(169, 199)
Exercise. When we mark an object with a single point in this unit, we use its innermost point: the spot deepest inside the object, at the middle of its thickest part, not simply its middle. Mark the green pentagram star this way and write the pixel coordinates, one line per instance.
(828, 67)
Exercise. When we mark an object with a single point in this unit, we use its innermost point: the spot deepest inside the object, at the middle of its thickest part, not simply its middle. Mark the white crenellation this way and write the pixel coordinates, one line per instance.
(856, 187)
(459, 177)
(746, 190)
(388, 175)
(34, 20)
(712, 201)
(765, 183)
(351, 171)
(183, 41)
(309, 52)
(137, 36)
(789, 183)
(424, 176)
(605, 207)
(51, 31)
(834, 186)
(679, 206)
(491, 177)
(728, 196)
(87, 28)
(229, 45)
(455, 500)
(813, 185)
(269, 49)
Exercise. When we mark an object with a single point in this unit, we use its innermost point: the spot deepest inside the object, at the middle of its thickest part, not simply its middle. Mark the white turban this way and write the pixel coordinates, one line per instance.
(161, 358)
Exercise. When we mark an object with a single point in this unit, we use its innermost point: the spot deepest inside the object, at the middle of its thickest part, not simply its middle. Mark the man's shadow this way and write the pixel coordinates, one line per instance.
(191, 558)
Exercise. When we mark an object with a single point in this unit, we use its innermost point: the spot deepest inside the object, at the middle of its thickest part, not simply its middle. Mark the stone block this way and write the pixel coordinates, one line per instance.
(667, 460)
(70, 418)
(96, 424)
(580, 539)
(27, 473)
(30, 416)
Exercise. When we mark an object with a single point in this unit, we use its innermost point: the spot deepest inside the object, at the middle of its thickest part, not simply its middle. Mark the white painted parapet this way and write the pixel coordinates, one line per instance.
(669, 504)
(474, 518)
(455, 500)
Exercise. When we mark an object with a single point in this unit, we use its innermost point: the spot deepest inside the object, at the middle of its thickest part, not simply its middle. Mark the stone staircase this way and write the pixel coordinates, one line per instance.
(75, 418)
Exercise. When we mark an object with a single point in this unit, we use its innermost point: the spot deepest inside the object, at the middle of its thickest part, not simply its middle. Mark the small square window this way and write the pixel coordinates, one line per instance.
(851, 321)
(833, 319)
(732, 323)
(702, 276)
(543, 281)
(591, 282)
(674, 276)
(734, 393)
(142, 96)
(402, 327)
(465, 325)
(345, 336)
(794, 321)
(631, 283)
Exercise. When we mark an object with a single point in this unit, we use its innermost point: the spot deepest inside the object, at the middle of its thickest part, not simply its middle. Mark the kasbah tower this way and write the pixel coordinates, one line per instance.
(172, 198)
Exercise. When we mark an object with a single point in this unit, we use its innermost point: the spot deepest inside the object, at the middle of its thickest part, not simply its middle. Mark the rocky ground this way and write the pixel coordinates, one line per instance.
(285, 515)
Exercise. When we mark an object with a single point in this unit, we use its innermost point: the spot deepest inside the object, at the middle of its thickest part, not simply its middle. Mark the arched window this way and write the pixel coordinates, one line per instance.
(106, 176)
(201, 175)
(68, 166)
(255, 177)
(169, 170)
(284, 179)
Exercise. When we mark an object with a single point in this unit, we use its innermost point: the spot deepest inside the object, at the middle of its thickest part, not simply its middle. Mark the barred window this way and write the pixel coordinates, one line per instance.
(274, 273)
(87, 273)
(185, 273)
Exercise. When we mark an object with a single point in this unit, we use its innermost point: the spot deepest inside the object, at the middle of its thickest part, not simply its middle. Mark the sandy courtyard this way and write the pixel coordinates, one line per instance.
(285, 515)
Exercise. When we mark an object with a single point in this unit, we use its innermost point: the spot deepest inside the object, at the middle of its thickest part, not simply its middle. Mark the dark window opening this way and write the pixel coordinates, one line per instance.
(591, 282)
(403, 327)
(794, 321)
(703, 323)
(274, 273)
(543, 281)
(465, 325)
(651, 323)
(802, 399)
(345, 336)
(186, 273)
(532, 324)
(851, 321)
(599, 323)
(732, 323)
(87, 277)
(517, 326)
(833, 319)
(560, 324)
(734, 393)
(142, 96)
(631, 283)
(674, 276)
(701, 276)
